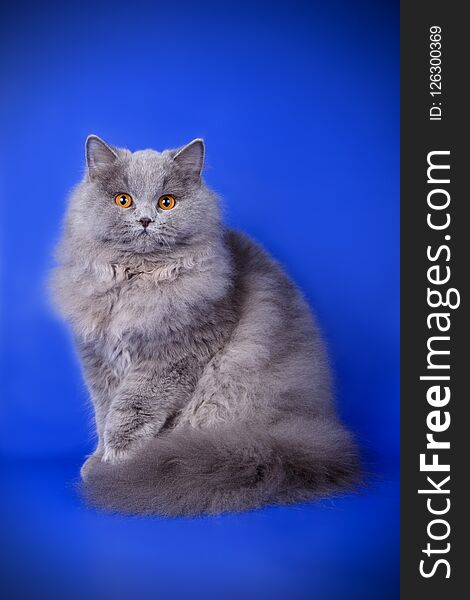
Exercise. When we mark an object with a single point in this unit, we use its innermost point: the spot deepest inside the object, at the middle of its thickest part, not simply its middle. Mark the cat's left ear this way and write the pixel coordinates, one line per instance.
(99, 155)
(191, 157)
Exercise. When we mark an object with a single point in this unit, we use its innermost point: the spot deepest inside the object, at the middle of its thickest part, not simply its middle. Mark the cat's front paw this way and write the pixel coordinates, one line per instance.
(89, 463)
(115, 456)
(120, 446)
(125, 433)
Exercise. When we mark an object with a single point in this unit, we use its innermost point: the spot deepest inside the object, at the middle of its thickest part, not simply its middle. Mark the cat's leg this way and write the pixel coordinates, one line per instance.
(100, 406)
(101, 382)
(89, 462)
(228, 390)
(145, 401)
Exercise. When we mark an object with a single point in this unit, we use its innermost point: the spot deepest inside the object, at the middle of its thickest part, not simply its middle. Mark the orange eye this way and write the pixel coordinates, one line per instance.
(123, 200)
(166, 202)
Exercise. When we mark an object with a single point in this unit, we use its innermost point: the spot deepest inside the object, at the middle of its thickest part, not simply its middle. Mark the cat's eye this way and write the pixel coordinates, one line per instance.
(123, 200)
(166, 202)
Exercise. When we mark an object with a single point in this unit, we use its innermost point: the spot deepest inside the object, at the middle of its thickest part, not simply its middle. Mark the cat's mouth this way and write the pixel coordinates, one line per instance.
(151, 241)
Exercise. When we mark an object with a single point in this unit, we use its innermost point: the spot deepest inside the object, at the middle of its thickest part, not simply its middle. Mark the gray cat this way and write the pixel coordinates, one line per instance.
(208, 376)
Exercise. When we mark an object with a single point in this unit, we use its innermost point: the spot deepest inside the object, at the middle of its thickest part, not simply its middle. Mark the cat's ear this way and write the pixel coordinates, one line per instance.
(191, 157)
(98, 154)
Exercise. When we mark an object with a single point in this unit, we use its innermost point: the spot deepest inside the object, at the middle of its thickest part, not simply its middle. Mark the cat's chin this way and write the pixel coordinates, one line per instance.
(143, 244)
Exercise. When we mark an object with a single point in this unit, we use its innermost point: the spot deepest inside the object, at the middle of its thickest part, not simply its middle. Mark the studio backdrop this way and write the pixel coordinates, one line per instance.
(298, 105)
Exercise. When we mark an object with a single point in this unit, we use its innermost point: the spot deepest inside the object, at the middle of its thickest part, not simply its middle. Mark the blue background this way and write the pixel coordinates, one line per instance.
(299, 107)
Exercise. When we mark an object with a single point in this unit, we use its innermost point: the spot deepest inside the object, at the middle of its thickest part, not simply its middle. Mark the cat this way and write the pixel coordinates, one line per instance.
(208, 376)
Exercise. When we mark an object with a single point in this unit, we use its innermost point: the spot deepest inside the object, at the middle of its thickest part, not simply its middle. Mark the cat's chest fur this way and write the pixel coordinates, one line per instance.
(162, 312)
(126, 323)
(133, 312)
(132, 302)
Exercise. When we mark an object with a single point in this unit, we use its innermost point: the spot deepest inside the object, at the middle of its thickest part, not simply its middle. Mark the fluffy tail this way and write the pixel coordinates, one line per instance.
(231, 468)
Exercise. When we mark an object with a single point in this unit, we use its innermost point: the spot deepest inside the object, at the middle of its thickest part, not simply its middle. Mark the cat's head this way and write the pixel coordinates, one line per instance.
(145, 201)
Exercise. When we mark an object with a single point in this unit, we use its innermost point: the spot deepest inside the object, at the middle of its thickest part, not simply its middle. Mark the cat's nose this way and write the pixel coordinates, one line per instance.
(145, 222)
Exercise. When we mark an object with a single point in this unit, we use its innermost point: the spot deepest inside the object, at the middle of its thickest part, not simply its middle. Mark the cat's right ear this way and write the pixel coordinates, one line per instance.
(98, 155)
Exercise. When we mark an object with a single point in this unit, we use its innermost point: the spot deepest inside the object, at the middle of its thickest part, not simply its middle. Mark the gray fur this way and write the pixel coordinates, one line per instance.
(208, 376)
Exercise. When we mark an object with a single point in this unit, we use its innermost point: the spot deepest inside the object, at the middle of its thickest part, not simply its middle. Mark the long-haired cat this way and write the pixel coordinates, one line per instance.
(208, 376)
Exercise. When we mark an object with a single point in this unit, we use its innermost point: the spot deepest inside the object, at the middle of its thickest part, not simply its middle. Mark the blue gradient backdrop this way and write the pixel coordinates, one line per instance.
(299, 106)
